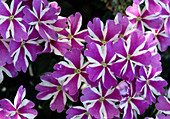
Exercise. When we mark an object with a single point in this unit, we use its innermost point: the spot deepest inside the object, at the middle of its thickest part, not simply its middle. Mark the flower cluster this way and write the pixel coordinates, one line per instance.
(118, 62)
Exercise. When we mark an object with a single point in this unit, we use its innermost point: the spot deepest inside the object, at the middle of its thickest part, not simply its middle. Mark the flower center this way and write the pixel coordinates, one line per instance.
(103, 41)
(87, 113)
(128, 57)
(121, 36)
(70, 36)
(129, 99)
(39, 21)
(104, 64)
(11, 18)
(101, 99)
(77, 71)
(22, 44)
(147, 82)
(138, 19)
(59, 88)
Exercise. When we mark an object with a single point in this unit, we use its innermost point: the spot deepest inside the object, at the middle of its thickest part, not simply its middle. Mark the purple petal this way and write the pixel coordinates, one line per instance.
(6, 104)
(94, 52)
(110, 109)
(37, 5)
(128, 113)
(89, 94)
(109, 52)
(134, 10)
(163, 105)
(75, 22)
(75, 57)
(96, 110)
(3, 10)
(72, 85)
(109, 79)
(4, 29)
(29, 16)
(58, 102)
(19, 31)
(95, 29)
(112, 30)
(73, 111)
(153, 23)
(19, 96)
(16, 4)
(62, 71)
(50, 15)
(153, 7)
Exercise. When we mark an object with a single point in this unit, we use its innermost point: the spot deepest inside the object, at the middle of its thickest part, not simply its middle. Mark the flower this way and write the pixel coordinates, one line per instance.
(101, 103)
(142, 18)
(72, 33)
(153, 6)
(150, 83)
(101, 34)
(132, 103)
(130, 53)
(22, 108)
(20, 50)
(101, 58)
(10, 21)
(73, 72)
(42, 18)
(51, 87)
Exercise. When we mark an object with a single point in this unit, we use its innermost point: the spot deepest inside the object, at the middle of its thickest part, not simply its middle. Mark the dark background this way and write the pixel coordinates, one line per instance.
(45, 62)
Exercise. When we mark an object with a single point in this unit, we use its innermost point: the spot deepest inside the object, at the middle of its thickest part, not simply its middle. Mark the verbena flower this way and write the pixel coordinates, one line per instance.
(51, 87)
(10, 21)
(9, 69)
(26, 48)
(101, 58)
(100, 34)
(132, 103)
(101, 103)
(22, 108)
(78, 112)
(162, 39)
(42, 18)
(153, 6)
(73, 72)
(150, 83)
(130, 53)
(142, 18)
(73, 33)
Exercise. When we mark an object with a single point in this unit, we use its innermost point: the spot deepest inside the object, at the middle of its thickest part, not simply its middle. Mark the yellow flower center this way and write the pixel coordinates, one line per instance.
(11, 18)
(77, 71)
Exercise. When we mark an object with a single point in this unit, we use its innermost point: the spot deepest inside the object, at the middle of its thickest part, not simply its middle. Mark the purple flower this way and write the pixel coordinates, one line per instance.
(22, 108)
(20, 50)
(142, 18)
(73, 72)
(42, 18)
(78, 112)
(163, 105)
(72, 33)
(101, 103)
(51, 87)
(9, 69)
(132, 103)
(130, 53)
(153, 6)
(10, 22)
(101, 58)
(101, 34)
(150, 83)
